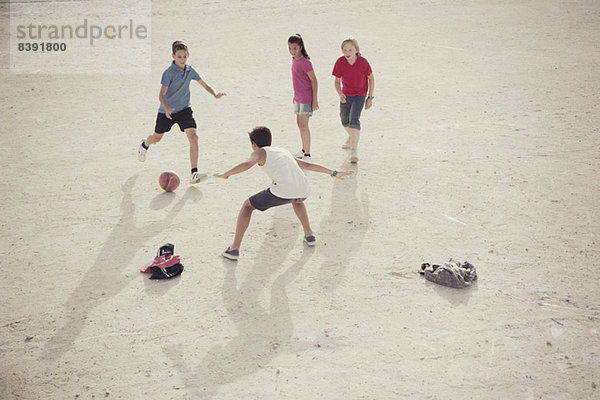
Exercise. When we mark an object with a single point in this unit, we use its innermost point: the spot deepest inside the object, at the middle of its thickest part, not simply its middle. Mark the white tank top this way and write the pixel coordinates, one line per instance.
(288, 181)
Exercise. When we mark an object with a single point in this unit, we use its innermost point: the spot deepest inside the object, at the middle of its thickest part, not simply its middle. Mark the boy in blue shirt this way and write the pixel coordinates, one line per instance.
(175, 106)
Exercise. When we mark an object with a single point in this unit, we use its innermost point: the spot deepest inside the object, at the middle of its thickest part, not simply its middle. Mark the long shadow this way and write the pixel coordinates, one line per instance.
(345, 228)
(104, 278)
(263, 333)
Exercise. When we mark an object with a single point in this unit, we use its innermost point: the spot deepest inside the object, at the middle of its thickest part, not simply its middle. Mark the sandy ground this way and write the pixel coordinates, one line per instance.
(482, 145)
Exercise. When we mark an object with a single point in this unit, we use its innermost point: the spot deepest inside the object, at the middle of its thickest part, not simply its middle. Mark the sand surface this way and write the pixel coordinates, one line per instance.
(483, 144)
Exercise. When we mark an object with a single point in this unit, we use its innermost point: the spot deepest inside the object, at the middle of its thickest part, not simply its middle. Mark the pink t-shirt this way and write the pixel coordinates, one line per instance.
(354, 77)
(302, 84)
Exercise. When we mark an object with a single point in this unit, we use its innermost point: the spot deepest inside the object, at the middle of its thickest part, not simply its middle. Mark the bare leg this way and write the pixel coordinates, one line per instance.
(354, 137)
(242, 224)
(193, 139)
(302, 214)
(154, 138)
(302, 121)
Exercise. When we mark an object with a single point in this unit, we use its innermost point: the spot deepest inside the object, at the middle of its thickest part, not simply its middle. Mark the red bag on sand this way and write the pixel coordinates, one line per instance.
(165, 261)
(165, 264)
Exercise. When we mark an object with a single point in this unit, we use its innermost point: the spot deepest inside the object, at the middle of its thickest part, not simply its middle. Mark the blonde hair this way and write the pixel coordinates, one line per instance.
(353, 42)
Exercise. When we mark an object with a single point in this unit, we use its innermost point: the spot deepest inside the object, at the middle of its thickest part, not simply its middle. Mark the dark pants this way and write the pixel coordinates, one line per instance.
(350, 111)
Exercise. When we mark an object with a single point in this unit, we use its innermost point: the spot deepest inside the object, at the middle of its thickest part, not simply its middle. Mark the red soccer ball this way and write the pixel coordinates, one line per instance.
(168, 181)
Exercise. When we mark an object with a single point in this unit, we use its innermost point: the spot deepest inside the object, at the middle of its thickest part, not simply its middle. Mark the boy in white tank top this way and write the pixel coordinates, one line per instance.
(288, 185)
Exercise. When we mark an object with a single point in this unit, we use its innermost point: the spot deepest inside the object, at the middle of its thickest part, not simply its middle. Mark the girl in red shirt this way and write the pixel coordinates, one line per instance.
(354, 83)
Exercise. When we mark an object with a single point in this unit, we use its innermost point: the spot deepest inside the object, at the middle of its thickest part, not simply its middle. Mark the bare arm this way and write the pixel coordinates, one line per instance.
(163, 100)
(255, 157)
(210, 90)
(320, 168)
(338, 89)
(369, 103)
(315, 87)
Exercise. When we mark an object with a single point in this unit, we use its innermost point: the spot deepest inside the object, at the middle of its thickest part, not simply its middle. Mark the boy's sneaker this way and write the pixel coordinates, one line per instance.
(354, 156)
(347, 144)
(299, 154)
(307, 158)
(310, 240)
(231, 254)
(142, 152)
(197, 177)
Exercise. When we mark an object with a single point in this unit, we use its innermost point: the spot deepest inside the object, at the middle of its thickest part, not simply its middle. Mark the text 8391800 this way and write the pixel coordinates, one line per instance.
(42, 47)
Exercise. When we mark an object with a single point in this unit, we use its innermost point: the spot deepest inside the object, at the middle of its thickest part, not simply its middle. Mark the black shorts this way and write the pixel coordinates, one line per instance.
(183, 118)
(264, 200)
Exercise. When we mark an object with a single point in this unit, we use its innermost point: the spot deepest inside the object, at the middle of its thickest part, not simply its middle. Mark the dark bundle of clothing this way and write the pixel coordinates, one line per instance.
(453, 274)
(166, 264)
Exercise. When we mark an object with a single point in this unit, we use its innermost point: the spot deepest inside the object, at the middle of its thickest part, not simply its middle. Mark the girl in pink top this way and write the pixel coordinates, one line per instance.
(305, 90)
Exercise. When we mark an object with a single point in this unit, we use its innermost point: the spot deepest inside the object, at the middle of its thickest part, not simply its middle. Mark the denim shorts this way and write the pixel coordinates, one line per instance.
(264, 200)
(302, 109)
(183, 118)
(350, 111)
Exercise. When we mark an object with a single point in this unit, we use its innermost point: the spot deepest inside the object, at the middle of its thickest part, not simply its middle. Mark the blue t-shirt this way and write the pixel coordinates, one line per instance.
(178, 82)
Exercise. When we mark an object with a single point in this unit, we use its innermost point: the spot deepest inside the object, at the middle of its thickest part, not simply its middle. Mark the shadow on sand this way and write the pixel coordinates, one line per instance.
(104, 279)
(263, 333)
(351, 213)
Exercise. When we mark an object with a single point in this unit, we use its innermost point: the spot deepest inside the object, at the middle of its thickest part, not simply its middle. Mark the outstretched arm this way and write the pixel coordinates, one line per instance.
(210, 90)
(320, 168)
(243, 166)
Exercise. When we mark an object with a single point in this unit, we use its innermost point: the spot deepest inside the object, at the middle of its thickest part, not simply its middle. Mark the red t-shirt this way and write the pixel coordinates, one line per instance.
(354, 77)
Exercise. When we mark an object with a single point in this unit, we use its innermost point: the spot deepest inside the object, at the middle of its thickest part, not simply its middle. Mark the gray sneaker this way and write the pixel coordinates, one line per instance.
(231, 254)
(142, 152)
(354, 156)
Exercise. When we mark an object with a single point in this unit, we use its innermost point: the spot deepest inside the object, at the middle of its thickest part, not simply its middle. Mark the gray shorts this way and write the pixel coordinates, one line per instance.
(264, 200)
(302, 109)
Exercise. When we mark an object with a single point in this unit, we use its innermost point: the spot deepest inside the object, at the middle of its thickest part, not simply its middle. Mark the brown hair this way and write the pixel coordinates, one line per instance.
(261, 135)
(297, 39)
(179, 45)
